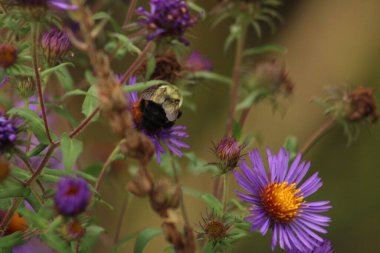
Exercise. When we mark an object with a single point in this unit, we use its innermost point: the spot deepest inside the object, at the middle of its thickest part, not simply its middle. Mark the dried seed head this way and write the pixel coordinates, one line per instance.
(228, 151)
(213, 228)
(141, 184)
(8, 55)
(73, 230)
(361, 105)
(167, 68)
(272, 75)
(165, 195)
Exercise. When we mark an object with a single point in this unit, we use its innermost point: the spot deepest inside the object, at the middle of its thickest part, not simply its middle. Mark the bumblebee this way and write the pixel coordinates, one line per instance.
(158, 108)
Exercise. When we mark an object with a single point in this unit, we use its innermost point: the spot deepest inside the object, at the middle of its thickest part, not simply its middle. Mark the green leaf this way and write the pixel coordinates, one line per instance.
(142, 86)
(271, 48)
(90, 239)
(253, 98)
(144, 237)
(48, 71)
(14, 191)
(151, 66)
(64, 78)
(213, 203)
(236, 130)
(212, 77)
(195, 7)
(75, 92)
(71, 149)
(126, 42)
(291, 144)
(34, 121)
(11, 240)
(90, 103)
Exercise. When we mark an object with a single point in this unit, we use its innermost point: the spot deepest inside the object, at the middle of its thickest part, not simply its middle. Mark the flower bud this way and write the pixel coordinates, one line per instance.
(55, 45)
(26, 86)
(228, 152)
(8, 55)
(73, 230)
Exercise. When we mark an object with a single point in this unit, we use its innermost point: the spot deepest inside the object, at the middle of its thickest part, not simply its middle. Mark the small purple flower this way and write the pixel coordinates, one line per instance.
(167, 18)
(72, 197)
(171, 137)
(198, 62)
(55, 45)
(8, 133)
(58, 4)
(322, 247)
(278, 200)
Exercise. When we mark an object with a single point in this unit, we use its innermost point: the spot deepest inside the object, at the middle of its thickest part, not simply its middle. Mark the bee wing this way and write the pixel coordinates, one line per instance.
(171, 110)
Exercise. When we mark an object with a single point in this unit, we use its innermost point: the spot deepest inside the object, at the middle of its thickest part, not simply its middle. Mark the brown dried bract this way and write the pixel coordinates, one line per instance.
(361, 105)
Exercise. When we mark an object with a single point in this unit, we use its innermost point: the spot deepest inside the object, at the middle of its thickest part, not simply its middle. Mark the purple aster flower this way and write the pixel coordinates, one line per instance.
(278, 200)
(198, 62)
(55, 45)
(8, 133)
(170, 137)
(167, 18)
(322, 247)
(72, 197)
(58, 4)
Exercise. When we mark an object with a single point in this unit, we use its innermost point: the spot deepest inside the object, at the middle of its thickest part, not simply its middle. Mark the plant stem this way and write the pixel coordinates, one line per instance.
(131, 10)
(42, 164)
(137, 63)
(317, 135)
(84, 123)
(35, 33)
(240, 45)
(126, 204)
(107, 164)
(182, 204)
(225, 192)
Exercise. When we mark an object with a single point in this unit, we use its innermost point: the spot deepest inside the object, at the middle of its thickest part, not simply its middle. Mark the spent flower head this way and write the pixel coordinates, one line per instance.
(72, 197)
(278, 200)
(213, 228)
(167, 18)
(8, 55)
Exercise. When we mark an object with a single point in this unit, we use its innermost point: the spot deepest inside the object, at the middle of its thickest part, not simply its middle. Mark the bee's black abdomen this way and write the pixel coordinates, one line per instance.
(153, 116)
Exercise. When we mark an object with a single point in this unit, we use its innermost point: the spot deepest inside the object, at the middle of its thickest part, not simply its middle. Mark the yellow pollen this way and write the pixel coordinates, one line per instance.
(281, 201)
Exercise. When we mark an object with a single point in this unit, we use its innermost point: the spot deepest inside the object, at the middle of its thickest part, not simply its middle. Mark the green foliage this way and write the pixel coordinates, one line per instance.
(90, 103)
(34, 122)
(71, 149)
(142, 239)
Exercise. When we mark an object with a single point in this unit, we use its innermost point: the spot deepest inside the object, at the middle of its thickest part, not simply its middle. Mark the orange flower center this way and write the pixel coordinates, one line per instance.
(73, 190)
(281, 201)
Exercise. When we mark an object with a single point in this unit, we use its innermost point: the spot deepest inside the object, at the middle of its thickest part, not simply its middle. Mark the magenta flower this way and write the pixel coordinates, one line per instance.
(278, 200)
(55, 45)
(167, 18)
(72, 197)
(198, 62)
(170, 137)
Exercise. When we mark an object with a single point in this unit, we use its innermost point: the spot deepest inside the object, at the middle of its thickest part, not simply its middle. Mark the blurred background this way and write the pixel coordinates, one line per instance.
(328, 43)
